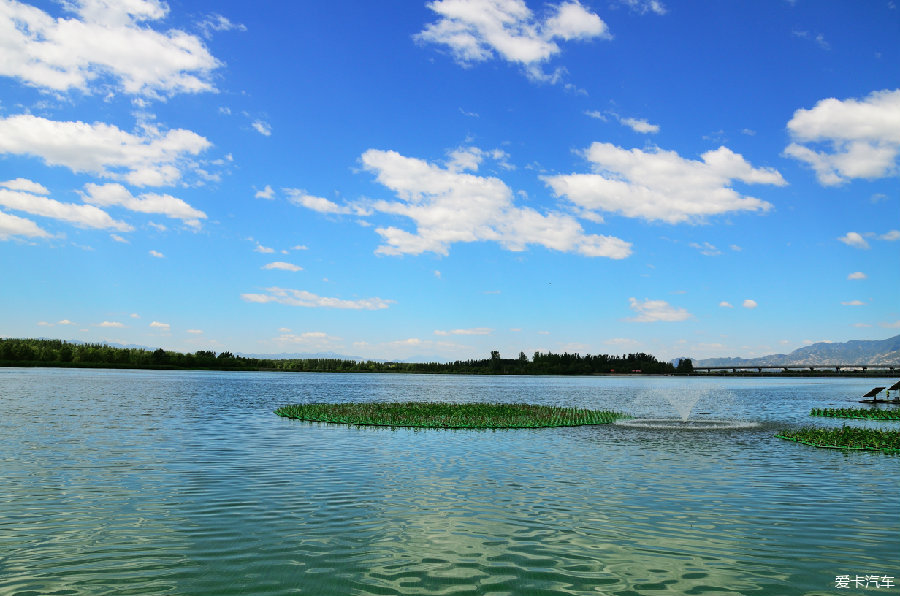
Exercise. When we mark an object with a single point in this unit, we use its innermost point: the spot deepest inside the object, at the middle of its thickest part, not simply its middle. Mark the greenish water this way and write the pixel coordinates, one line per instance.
(136, 482)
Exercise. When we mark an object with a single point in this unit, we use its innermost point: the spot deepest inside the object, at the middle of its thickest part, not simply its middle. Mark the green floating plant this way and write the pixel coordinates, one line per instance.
(447, 415)
(846, 437)
(860, 413)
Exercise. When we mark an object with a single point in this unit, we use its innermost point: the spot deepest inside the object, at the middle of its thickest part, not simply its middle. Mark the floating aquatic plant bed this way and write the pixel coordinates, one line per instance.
(846, 437)
(861, 413)
(447, 415)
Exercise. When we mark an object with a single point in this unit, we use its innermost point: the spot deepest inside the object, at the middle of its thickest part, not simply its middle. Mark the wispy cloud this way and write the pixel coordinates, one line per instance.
(310, 300)
(473, 331)
(283, 266)
(262, 127)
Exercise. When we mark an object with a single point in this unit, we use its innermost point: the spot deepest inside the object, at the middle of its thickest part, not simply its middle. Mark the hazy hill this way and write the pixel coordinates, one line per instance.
(881, 351)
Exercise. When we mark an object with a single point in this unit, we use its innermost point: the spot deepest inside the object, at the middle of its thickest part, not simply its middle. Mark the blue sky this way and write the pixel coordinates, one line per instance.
(440, 179)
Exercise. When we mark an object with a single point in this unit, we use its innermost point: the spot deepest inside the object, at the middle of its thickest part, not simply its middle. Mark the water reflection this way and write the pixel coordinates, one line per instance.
(186, 483)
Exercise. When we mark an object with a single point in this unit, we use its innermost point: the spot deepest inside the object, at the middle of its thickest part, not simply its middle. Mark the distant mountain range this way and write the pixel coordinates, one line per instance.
(871, 352)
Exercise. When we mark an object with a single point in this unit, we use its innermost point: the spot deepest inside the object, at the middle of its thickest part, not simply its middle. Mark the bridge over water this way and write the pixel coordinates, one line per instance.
(890, 368)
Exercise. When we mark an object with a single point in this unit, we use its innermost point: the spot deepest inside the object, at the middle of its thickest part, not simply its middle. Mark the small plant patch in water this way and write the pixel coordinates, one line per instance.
(861, 413)
(447, 415)
(846, 437)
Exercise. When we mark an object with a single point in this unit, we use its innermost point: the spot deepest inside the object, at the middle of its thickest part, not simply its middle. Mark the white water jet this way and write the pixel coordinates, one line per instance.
(683, 400)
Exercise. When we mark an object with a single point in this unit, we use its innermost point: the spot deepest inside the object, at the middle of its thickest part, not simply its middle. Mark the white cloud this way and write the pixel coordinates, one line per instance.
(662, 185)
(216, 22)
(650, 311)
(622, 342)
(310, 300)
(283, 266)
(894, 325)
(151, 159)
(266, 193)
(450, 206)
(13, 225)
(479, 30)
(158, 325)
(854, 239)
(25, 185)
(854, 303)
(65, 322)
(639, 125)
(81, 215)
(749, 303)
(857, 275)
(850, 139)
(195, 331)
(157, 254)
(263, 128)
(317, 340)
(263, 249)
(302, 199)
(114, 324)
(107, 41)
(473, 331)
(891, 236)
(645, 6)
(725, 304)
(117, 195)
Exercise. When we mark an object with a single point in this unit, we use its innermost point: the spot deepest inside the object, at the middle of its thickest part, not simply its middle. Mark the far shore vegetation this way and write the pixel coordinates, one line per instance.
(58, 353)
(447, 415)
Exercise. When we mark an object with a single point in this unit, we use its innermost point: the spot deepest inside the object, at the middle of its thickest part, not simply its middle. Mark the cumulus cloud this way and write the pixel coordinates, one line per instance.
(151, 159)
(473, 331)
(650, 311)
(106, 195)
(449, 206)
(857, 275)
(749, 303)
(282, 266)
(853, 303)
(158, 325)
(310, 300)
(725, 304)
(662, 185)
(87, 216)
(854, 239)
(480, 30)
(157, 254)
(106, 42)
(891, 236)
(846, 139)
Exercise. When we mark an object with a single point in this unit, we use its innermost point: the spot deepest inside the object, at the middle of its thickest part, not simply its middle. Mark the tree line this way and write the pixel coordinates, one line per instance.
(54, 352)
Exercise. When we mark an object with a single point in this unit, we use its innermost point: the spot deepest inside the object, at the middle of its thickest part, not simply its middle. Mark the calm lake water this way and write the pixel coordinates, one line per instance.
(137, 482)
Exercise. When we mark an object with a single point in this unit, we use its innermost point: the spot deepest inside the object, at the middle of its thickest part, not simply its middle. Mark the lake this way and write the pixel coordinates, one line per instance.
(185, 482)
